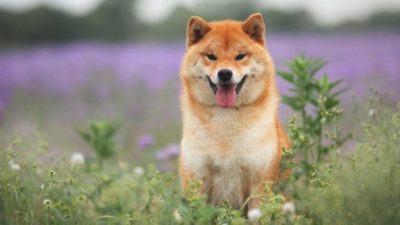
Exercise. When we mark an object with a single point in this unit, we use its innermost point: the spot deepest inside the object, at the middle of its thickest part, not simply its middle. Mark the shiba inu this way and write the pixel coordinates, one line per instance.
(232, 139)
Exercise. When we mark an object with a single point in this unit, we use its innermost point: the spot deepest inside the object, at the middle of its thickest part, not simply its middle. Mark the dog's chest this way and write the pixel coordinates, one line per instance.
(228, 170)
(230, 177)
(229, 146)
(228, 180)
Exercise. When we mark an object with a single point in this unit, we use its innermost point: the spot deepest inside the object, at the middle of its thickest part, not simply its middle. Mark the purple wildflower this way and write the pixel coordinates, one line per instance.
(361, 60)
(170, 151)
(145, 141)
(61, 70)
(161, 155)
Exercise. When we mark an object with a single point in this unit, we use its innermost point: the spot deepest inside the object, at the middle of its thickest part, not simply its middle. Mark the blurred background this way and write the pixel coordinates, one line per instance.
(64, 63)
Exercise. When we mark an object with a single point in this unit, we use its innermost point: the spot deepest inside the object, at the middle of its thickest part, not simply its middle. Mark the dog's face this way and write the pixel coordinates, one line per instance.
(226, 64)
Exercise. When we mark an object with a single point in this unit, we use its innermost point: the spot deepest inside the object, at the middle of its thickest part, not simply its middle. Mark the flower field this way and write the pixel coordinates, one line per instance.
(138, 83)
(61, 70)
(49, 94)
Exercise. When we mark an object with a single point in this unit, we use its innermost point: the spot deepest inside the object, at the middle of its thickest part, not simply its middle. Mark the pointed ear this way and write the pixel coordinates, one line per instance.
(255, 28)
(197, 28)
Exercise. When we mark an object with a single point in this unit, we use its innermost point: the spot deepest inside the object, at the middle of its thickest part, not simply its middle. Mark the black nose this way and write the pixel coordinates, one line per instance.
(225, 75)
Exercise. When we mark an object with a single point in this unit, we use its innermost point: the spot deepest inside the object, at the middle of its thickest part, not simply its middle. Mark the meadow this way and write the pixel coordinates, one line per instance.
(56, 99)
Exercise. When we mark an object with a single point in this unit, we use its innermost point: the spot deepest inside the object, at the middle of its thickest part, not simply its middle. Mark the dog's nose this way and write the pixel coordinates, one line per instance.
(225, 75)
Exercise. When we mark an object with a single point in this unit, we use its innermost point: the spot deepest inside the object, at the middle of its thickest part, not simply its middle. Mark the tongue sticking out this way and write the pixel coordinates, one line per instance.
(226, 95)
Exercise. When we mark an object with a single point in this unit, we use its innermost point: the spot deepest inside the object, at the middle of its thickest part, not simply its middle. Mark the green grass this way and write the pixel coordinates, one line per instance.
(359, 187)
(362, 187)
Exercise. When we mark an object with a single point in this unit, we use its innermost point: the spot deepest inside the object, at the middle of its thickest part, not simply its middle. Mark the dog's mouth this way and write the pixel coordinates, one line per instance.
(225, 94)
(240, 84)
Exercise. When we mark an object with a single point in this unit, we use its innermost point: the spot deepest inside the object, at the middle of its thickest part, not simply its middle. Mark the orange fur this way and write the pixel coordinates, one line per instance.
(233, 150)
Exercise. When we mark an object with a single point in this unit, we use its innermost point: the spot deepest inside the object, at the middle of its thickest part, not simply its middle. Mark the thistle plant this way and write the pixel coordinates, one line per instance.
(100, 136)
(317, 102)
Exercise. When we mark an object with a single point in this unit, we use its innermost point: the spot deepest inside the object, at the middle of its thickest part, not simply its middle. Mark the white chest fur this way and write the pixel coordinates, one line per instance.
(226, 154)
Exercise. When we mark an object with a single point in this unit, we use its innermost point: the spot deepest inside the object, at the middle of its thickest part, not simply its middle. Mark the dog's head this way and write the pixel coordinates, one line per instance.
(226, 63)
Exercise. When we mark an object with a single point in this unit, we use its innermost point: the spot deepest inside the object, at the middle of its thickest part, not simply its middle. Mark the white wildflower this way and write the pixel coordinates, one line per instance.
(42, 186)
(138, 171)
(77, 159)
(14, 166)
(47, 202)
(177, 216)
(288, 207)
(371, 112)
(254, 214)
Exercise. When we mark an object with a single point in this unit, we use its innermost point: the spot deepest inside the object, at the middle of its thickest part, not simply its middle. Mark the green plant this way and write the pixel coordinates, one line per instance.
(100, 136)
(317, 102)
(357, 188)
(362, 187)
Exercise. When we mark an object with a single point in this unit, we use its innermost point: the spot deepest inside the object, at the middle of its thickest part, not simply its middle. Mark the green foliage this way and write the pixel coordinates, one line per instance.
(112, 20)
(58, 193)
(317, 102)
(100, 136)
(193, 209)
(174, 27)
(40, 193)
(115, 20)
(363, 187)
(358, 188)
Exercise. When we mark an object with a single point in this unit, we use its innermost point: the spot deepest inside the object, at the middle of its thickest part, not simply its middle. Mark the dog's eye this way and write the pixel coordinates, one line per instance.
(211, 57)
(240, 56)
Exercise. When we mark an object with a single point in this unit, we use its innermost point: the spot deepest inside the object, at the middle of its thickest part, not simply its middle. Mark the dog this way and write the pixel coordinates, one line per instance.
(232, 138)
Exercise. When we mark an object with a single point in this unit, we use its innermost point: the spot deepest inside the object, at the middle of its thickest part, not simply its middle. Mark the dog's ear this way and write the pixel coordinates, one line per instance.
(255, 28)
(196, 29)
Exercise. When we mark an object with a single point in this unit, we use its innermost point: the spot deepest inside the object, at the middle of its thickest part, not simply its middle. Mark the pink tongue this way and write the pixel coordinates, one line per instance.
(226, 96)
